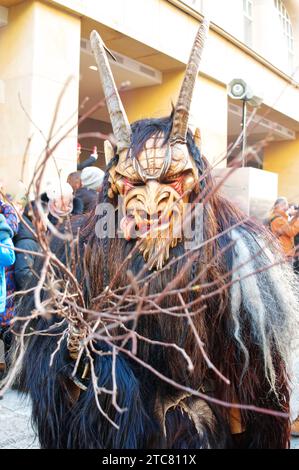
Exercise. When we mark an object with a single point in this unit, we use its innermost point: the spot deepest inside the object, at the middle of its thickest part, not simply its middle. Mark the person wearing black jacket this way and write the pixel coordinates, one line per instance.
(296, 257)
(91, 183)
(295, 212)
(25, 240)
(85, 196)
(89, 161)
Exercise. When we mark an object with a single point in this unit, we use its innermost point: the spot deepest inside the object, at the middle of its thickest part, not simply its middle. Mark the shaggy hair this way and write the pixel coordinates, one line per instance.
(247, 329)
(269, 299)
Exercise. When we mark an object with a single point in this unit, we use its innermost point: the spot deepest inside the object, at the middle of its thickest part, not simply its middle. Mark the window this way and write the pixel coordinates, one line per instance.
(247, 12)
(287, 30)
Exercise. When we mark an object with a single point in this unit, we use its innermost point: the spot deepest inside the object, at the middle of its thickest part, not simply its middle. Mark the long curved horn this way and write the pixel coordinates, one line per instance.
(120, 123)
(182, 109)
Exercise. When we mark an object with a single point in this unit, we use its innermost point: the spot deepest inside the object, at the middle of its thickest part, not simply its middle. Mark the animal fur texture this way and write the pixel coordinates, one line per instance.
(248, 326)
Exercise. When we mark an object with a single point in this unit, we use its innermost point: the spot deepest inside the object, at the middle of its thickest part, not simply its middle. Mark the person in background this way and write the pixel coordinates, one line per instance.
(7, 258)
(26, 240)
(12, 220)
(10, 215)
(296, 258)
(91, 180)
(77, 204)
(284, 224)
(89, 161)
(295, 208)
(60, 200)
(283, 228)
(74, 179)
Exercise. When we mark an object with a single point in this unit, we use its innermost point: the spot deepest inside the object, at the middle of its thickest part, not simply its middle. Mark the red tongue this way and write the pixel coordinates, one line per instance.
(127, 225)
(144, 226)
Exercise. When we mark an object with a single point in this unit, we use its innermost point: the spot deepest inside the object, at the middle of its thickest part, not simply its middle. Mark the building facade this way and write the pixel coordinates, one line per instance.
(48, 78)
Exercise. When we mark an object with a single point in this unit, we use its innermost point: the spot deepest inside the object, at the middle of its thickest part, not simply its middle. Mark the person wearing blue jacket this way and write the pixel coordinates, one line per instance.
(7, 258)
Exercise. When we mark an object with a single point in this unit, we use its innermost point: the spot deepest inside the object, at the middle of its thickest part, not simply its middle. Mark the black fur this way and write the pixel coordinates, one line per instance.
(63, 424)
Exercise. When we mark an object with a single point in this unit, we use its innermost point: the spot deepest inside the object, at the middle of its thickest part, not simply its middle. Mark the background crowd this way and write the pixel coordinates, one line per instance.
(284, 224)
(77, 195)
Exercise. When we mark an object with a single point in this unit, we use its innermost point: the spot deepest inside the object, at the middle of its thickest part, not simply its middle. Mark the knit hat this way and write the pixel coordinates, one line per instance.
(92, 177)
(55, 191)
(5, 230)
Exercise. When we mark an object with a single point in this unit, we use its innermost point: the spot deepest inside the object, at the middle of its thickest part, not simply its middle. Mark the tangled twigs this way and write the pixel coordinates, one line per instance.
(108, 324)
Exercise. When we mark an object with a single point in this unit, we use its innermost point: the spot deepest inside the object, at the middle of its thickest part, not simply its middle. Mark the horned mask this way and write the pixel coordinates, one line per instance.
(155, 185)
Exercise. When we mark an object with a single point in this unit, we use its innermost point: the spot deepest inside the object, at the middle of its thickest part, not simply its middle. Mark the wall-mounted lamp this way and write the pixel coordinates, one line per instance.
(238, 89)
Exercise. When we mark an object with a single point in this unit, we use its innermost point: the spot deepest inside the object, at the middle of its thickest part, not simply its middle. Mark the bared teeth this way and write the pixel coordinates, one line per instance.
(156, 231)
(143, 227)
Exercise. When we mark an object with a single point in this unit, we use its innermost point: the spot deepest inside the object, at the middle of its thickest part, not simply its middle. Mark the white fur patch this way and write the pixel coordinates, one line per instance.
(269, 297)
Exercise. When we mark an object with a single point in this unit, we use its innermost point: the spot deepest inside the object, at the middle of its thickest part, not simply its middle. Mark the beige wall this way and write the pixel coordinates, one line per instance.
(268, 37)
(283, 158)
(39, 52)
(40, 49)
(208, 112)
(293, 9)
(222, 60)
(3, 16)
(227, 14)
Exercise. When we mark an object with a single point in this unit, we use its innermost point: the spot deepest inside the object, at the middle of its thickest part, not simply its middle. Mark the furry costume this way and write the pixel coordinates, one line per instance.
(247, 323)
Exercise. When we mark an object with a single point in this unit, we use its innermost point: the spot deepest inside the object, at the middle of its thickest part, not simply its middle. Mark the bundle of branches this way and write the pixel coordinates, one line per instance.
(155, 340)
(180, 326)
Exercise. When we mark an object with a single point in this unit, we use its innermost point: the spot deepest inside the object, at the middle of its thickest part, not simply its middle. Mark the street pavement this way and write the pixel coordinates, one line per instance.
(15, 427)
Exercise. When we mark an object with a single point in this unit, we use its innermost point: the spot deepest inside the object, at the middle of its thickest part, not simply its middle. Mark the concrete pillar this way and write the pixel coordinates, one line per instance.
(40, 51)
(254, 191)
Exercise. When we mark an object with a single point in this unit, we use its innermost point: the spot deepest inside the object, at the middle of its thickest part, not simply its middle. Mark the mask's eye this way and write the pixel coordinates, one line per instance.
(169, 181)
(181, 184)
(124, 185)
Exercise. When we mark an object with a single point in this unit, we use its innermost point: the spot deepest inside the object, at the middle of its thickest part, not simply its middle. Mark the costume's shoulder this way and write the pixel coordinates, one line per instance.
(260, 249)
(261, 279)
(263, 296)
